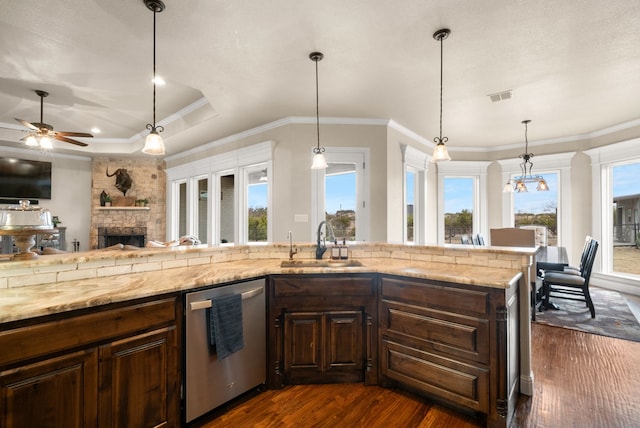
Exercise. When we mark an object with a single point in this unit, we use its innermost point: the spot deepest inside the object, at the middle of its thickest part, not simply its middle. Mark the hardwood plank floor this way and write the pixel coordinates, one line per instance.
(581, 380)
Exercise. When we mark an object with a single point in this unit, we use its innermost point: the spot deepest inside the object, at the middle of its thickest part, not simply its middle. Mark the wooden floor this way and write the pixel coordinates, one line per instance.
(581, 380)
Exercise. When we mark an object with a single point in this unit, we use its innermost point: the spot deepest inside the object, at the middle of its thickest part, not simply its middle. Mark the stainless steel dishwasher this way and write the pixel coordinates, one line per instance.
(210, 382)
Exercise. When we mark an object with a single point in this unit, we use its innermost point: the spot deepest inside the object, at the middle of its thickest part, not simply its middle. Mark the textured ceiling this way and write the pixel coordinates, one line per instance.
(230, 65)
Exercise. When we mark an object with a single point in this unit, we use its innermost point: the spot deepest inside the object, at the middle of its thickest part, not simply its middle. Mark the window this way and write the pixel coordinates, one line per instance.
(182, 208)
(462, 200)
(339, 194)
(202, 212)
(459, 200)
(539, 208)
(226, 208)
(256, 212)
(413, 209)
(626, 218)
(222, 206)
(410, 198)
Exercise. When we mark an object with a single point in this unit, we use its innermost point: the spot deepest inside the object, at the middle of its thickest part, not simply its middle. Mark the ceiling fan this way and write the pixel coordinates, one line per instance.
(42, 133)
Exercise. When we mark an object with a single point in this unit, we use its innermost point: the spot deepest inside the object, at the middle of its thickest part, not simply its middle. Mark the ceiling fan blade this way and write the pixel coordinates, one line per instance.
(74, 134)
(69, 140)
(27, 124)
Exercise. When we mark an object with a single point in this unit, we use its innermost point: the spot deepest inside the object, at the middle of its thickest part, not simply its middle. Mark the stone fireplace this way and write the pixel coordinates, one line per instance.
(128, 225)
(108, 236)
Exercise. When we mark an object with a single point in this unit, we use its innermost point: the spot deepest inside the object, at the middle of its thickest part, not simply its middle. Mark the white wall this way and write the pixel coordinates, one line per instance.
(70, 191)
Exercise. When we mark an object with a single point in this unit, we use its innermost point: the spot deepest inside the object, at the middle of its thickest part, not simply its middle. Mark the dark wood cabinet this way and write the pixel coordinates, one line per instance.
(55, 392)
(322, 329)
(114, 367)
(324, 346)
(452, 342)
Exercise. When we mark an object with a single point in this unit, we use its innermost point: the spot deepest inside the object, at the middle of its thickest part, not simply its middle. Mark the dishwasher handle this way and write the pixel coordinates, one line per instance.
(204, 304)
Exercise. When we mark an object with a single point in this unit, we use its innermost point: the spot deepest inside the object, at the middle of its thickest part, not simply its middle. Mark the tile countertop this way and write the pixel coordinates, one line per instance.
(46, 299)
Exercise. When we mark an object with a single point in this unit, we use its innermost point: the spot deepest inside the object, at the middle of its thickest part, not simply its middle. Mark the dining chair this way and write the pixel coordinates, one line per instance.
(575, 270)
(569, 286)
(480, 239)
(464, 239)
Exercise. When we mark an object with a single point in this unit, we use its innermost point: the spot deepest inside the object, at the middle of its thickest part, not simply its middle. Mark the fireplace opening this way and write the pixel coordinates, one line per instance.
(109, 236)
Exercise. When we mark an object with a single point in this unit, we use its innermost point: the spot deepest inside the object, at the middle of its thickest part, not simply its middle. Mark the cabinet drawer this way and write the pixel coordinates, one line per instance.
(83, 330)
(437, 296)
(451, 334)
(326, 286)
(451, 380)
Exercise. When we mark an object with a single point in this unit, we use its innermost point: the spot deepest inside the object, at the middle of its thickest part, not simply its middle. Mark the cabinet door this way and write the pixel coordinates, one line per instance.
(344, 351)
(302, 346)
(138, 381)
(58, 392)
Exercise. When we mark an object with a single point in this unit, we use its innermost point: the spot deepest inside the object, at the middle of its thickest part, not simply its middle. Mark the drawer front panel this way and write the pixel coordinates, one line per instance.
(426, 294)
(40, 339)
(458, 383)
(326, 286)
(454, 335)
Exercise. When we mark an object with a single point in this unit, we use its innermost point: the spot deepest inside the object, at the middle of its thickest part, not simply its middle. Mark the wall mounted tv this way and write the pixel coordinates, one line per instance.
(24, 179)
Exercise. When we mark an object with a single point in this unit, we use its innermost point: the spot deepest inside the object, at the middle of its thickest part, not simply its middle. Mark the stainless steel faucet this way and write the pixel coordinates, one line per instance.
(322, 245)
(291, 251)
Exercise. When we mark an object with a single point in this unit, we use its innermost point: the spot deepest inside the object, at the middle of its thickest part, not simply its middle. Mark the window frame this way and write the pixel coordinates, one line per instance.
(603, 160)
(358, 156)
(416, 161)
(559, 163)
(237, 163)
(477, 170)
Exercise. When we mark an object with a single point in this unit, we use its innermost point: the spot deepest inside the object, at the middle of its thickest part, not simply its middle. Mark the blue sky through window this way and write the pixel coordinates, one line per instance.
(534, 202)
(257, 195)
(458, 194)
(340, 192)
(626, 180)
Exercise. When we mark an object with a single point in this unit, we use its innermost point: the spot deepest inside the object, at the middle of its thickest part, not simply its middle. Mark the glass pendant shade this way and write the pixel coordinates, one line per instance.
(440, 153)
(508, 188)
(542, 186)
(319, 161)
(153, 144)
(521, 187)
(31, 141)
(45, 143)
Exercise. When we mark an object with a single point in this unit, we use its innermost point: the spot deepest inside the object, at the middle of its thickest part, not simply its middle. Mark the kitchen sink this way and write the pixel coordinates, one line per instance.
(320, 263)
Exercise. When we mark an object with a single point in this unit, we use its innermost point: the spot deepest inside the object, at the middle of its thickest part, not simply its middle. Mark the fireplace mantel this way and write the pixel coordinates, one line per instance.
(121, 208)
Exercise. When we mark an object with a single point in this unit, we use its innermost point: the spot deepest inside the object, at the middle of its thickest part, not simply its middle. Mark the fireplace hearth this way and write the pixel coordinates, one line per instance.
(109, 236)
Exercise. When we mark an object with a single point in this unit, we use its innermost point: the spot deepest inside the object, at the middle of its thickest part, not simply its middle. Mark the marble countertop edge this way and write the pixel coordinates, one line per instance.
(33, 301)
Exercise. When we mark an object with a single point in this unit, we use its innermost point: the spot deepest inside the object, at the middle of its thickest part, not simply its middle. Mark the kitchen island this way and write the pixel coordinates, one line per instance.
(57, 289)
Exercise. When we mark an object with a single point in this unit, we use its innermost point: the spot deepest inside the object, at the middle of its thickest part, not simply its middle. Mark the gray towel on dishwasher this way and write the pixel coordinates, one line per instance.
(225, 325)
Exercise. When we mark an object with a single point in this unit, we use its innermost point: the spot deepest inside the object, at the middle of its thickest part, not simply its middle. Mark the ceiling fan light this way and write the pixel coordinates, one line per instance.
(153, 145)
(45, 143)
(31, 141)
(440, 153)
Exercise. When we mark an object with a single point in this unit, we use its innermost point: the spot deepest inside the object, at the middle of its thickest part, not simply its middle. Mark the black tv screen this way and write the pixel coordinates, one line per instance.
(25, 179)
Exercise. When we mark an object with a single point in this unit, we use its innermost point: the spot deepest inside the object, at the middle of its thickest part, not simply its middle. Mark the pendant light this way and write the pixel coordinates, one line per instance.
(440, 153)
(153, 144)
(519, 183)
(319, 161)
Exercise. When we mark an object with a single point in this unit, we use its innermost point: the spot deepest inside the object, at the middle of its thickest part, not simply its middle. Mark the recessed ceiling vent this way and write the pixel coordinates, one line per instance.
(501, 96)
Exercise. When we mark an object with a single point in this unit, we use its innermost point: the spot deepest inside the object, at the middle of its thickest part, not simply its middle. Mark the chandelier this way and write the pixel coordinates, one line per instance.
(519, 183)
